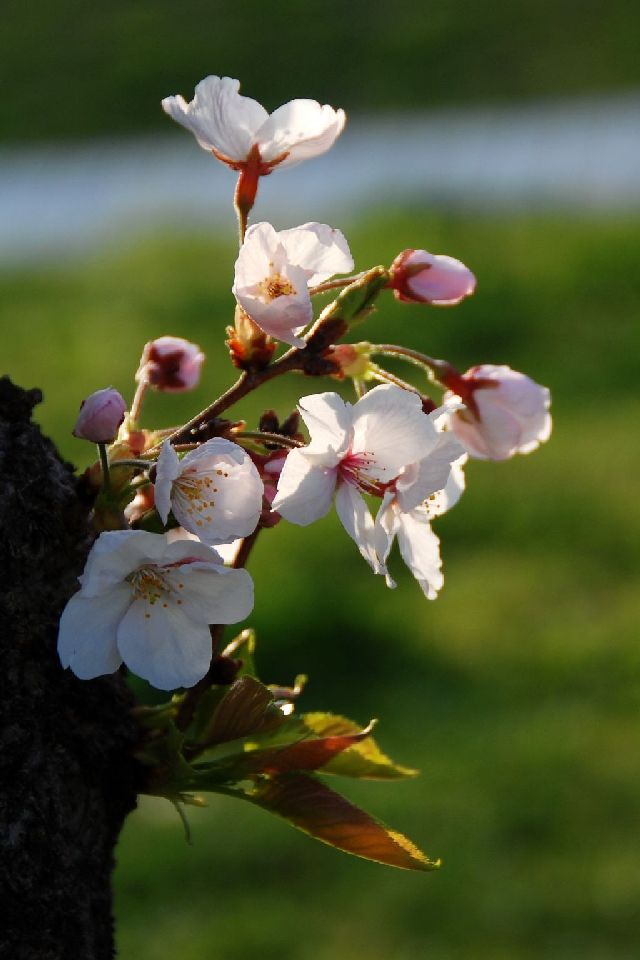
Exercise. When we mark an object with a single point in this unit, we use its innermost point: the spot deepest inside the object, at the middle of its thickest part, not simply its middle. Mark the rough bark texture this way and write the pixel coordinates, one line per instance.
(67, 778)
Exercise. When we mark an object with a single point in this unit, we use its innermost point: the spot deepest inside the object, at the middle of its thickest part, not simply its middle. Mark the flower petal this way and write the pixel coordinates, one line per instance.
(320, 250)
(420, 550)
(163, 645)
(212, 593)
(390, 426)
(167, 470)
(115, 554)
(421, 480)
(358, 522)
(328, 419)
(219, 117)
(305, 490)
(87, 634)
(301, 128)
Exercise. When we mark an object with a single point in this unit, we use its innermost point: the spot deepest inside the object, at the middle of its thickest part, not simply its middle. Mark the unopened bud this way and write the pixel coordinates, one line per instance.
(352, 360)
(421, 277)
(505, 412)
(100, 416)
(170, 364)
(250, 347)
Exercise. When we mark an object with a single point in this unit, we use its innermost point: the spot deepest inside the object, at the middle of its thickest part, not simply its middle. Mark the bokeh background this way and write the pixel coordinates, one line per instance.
(505, 134)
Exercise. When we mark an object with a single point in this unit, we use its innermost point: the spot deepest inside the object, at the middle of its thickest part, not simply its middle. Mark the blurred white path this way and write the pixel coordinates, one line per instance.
(573, 156)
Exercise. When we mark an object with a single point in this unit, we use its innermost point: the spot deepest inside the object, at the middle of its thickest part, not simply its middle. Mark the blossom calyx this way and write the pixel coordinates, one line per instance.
(100, 416)
(251, 349)
(421, 277)
(170, 364)
(504, 413)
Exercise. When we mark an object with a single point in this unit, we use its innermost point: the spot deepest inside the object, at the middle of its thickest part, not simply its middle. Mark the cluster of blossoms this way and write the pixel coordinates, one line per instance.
(177, 512)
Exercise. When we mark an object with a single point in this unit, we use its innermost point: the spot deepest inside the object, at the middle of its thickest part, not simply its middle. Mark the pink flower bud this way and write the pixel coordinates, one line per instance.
(100, 416)
(421, 277)
(170, 364)
(505, 412)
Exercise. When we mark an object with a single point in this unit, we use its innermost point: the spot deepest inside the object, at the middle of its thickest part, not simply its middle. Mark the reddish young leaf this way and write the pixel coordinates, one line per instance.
(312, 807)
(363, 759)
(247, 708)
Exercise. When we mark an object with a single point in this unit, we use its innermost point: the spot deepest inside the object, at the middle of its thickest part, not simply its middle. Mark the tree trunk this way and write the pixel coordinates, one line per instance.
(68, 777)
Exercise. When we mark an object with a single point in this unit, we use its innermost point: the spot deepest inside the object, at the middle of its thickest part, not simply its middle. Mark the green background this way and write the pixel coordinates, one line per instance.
(517, 692)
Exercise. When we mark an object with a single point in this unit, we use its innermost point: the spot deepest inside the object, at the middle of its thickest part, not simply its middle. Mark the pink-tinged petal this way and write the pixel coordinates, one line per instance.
(420, 550)
(328, 419)
(421, 277)
(284, 318)
(167, 470)
(391, 428)
(305, 490)
(301, 128)
(115, 554)
(358, 522)
(429, 475)
(212, 593)
(219, 117)
(87, 634)
(164, 646)
(320, 250)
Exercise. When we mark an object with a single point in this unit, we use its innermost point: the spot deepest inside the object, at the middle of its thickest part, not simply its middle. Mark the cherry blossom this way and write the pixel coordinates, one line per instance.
(398, 517)
(364, 449)
(148, 603)
(274, 271)
(100, 416)
(215, 491)
(170, 364)
(421, 277)
(504, 412)
(239, 131)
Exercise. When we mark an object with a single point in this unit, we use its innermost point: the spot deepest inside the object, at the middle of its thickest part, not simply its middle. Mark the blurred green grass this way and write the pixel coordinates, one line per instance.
(517, 692)
(74, 69)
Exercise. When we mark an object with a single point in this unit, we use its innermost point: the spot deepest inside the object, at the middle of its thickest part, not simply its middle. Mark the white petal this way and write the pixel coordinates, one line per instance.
(305, 490)
(261, 254)
(328, 420)
(87, 635)
(218, 498)
(302, 128)
(386, 526)
(219, 116)
(429, 475)
(115, 554)
(213, 593)
(358, 522)
(319, 249)
(442, 500)
(390, 426)
(420, 550)
(167, 469)
(163, 645)
(283, 318)
(181, 549)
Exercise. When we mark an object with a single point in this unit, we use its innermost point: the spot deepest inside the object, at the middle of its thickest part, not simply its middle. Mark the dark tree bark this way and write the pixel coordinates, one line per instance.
(67, 774)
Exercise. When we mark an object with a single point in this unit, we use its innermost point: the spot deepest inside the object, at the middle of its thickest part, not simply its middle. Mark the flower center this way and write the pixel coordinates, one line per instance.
(198, 490)
(149, 583)
(353, 469)
(275, 286)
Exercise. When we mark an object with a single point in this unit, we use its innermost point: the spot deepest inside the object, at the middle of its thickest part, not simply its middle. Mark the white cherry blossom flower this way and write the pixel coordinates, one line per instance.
(149, 603)
(383, 443)
(215, 491)
(504, 412)
(238, 130)
(274, 271)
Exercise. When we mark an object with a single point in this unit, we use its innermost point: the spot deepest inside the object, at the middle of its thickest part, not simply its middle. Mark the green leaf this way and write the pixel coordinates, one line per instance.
(363, 760)
(310, 806)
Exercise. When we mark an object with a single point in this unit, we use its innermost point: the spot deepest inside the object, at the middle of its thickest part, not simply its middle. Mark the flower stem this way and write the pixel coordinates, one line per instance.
(263, 436)
(335, 284)
(440, 370)
(386, 377)
(136, 403)
(104, 460)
